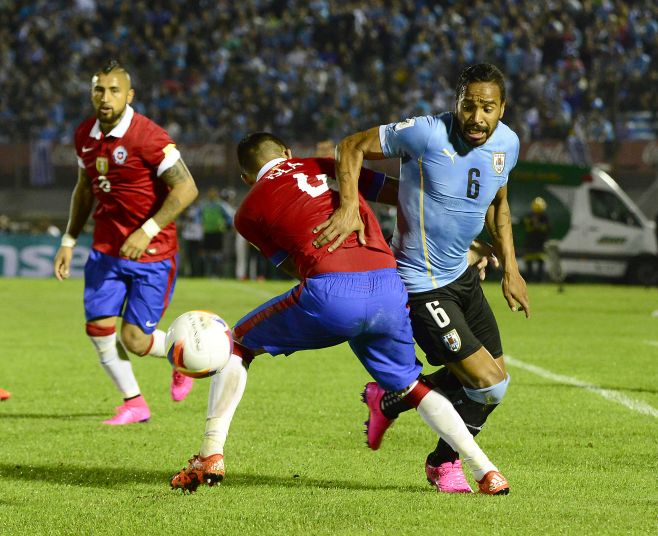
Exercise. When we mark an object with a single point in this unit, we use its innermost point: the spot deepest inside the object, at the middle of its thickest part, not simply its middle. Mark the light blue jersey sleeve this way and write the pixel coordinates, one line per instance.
(408, 138)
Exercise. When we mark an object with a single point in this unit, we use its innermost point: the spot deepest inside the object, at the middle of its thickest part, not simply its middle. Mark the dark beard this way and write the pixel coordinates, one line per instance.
(114, 118)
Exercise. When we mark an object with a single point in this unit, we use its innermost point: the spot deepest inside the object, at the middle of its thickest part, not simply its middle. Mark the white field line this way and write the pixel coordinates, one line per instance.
(614, 396)
(651, 343)
(250, 289)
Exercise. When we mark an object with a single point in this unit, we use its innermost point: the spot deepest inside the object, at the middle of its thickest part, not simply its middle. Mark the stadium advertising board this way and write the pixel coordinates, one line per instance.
(32, 255)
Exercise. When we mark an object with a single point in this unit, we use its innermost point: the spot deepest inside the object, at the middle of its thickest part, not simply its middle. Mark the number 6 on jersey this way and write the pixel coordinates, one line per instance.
(438, 313)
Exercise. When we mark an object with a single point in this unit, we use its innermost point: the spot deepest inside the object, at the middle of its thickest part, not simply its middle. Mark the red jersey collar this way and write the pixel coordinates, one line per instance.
(269, 166)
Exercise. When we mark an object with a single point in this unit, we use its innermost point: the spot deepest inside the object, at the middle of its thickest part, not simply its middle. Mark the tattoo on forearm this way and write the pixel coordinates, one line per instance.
(170, 210)
(176, 174)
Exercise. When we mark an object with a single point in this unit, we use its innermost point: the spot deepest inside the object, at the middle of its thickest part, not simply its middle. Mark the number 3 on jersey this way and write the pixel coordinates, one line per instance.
(438, 313)
(104, 183)
(318, 187)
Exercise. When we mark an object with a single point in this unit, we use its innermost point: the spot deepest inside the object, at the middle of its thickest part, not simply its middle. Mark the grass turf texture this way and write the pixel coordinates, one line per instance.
(296, 460)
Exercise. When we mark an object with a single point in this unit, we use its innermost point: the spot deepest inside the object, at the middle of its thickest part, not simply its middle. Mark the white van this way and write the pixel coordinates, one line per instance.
(595, 227)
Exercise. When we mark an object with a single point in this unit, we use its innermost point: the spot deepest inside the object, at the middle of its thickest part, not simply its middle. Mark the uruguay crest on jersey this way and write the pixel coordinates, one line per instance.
(499, 162)
(452, 340)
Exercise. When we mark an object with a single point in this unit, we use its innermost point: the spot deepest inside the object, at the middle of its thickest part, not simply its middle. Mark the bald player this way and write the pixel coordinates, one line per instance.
(134, 172)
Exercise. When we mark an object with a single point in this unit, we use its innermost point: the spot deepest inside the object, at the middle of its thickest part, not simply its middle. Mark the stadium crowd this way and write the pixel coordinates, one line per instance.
(211, 71)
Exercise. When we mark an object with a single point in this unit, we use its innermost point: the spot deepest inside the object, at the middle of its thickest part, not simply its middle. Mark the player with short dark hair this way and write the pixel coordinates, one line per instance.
(453, 180)
(353, 295)
(134, 171)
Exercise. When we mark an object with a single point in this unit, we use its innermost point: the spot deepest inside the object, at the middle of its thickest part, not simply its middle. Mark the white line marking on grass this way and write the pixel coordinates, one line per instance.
(651, 343)
(250, 290)
(615, 396)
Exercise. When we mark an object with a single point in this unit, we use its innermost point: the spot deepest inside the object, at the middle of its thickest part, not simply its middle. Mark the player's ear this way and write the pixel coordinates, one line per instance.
(131, 95)
(288, 152)
(502, 110)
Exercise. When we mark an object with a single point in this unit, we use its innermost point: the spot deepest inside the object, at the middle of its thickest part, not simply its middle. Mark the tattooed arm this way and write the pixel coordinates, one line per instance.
(183, 192)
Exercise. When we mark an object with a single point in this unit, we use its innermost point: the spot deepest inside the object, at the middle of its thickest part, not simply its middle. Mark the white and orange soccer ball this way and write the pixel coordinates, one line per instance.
(198, 343)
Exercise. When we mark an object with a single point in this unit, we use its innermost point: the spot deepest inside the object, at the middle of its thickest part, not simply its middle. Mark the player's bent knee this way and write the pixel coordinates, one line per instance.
(135, 340)
(489, 395)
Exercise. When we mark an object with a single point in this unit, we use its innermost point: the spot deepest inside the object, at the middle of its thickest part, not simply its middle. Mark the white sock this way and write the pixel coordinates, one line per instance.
(114, 359)
(158, 346)
(226, 390)
(437, 411)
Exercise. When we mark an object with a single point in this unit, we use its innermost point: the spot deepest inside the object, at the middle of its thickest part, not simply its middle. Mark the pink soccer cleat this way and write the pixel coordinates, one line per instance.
(4, 395)
(448, 477)
(133, 410)
(181, 386)
(377, 422)
(493, 483)
(199, 470)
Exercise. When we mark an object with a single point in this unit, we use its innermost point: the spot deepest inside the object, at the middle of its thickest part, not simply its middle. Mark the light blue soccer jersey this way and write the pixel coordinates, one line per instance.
(446, 187)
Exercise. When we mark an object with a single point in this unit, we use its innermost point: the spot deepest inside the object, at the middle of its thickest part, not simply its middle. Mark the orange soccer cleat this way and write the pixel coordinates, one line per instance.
(4, 395)
(199, 470)
(494, 483)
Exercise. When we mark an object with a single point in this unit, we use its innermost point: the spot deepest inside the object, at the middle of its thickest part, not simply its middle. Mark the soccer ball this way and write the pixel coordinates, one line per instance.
(198, 344)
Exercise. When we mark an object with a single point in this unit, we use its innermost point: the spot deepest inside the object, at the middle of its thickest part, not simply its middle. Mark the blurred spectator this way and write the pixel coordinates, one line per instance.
(249, 263)
(216, 218)
(576, 144)
(5, 224)
(214, 70)
(191, 231)
(536, 227)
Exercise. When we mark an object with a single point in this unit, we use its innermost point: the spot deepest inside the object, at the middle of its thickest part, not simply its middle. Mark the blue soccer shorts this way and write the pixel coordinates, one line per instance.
(138, 291)
(366, 309)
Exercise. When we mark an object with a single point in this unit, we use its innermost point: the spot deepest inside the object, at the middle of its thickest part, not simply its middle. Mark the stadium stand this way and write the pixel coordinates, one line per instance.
(210, 71)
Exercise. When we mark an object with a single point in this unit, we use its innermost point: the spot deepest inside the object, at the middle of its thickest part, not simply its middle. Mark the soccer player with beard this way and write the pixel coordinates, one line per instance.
(140, 183)
(353, 295)
(453, 180)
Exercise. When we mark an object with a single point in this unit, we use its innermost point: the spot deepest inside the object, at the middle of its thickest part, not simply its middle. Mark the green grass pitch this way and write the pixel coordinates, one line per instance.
(576, 435)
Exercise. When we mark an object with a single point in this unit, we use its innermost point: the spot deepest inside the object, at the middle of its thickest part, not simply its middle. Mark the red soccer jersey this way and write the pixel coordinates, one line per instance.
(123, 167)
(288, 201)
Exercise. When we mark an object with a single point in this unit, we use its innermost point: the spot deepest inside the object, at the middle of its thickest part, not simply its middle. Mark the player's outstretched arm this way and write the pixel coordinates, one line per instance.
(183, 192)
(82, 201)
(499, 224)
(346, 219)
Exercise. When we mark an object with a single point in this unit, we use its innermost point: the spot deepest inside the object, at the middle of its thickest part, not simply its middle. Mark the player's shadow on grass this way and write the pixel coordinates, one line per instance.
(96, 477)
(51, 416)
